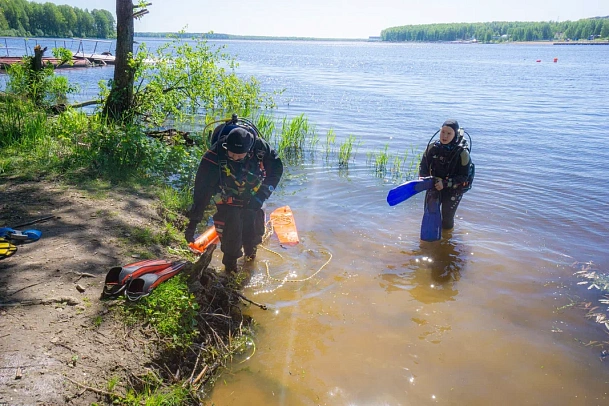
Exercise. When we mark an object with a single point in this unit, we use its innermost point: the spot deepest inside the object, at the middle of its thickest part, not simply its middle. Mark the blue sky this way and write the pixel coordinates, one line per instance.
(339, 18)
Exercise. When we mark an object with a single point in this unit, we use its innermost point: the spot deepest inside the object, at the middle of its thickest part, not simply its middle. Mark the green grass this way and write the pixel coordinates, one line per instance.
(170, 309)
(151, 393)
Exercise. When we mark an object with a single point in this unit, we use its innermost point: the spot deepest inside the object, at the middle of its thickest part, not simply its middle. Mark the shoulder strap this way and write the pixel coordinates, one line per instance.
(455, 157)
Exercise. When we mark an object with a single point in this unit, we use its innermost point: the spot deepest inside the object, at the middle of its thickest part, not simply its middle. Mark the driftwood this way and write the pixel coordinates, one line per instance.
(70, 301)
(86, 103)
(172, 137)
(61, 107)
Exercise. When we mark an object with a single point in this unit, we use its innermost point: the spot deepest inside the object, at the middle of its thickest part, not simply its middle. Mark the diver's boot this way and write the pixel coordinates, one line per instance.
(250, 253)
(231, 268)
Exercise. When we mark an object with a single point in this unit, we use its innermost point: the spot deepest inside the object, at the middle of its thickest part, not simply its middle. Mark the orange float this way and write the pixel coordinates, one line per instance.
(210, 236)
(284, 225)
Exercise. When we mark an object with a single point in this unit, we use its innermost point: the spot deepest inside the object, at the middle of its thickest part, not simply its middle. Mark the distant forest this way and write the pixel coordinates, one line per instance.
(586, 29)
(21, 18)
(213, 35)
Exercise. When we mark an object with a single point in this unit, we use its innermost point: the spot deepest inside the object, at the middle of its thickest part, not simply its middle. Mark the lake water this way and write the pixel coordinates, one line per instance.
(479, 318)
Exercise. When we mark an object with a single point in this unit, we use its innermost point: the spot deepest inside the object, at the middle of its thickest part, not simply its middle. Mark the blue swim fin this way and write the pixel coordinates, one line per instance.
(406, 190)
(26, 236)
(431, 226)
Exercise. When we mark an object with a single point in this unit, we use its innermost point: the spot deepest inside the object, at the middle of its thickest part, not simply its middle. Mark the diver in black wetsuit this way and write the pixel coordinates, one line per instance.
(240, 171)
(449, 162)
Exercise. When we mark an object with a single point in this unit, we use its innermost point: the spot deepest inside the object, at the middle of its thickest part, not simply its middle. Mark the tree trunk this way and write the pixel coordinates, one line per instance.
(118, 104)
(37, 61)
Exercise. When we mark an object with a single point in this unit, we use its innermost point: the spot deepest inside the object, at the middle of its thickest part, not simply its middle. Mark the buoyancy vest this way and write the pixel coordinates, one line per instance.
(444, 159)
(239, 181)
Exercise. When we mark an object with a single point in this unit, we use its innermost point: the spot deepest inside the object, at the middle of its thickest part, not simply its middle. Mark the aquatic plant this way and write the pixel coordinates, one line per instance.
(266, 125)
(595, 280)
(345, 151)
(330, 144)
(381, 161)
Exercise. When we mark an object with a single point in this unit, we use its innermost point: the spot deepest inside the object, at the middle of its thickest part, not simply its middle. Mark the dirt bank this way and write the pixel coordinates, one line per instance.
(54, 330)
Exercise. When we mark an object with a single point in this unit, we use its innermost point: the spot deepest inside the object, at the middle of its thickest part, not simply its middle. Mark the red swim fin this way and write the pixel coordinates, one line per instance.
(144, 284)
(119, 277)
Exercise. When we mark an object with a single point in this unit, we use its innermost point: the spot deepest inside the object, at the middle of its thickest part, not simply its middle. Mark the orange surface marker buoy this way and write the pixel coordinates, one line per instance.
(284, 225)
(555, 60)
(539, 60)
(210, 236)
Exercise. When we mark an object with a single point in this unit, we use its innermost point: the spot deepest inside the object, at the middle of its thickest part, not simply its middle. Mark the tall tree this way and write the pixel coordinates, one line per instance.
(605, 29)
(119, 102)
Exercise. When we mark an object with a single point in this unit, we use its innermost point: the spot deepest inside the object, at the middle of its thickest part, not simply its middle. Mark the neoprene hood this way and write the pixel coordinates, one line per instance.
(239, 141)
(452, 124)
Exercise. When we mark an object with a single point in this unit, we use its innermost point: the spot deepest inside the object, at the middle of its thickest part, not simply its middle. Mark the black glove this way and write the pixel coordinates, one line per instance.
(255, 203)
(189, 233)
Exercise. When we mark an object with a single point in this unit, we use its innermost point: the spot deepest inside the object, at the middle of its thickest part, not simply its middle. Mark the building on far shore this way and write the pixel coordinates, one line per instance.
(371, 38)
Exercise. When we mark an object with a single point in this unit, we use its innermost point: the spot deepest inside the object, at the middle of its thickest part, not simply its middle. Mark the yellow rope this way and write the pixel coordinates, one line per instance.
(267, 234)
(283, 219)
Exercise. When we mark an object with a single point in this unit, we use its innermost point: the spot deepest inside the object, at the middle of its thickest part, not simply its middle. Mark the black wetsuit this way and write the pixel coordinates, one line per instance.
(451, 163)
(235, 186)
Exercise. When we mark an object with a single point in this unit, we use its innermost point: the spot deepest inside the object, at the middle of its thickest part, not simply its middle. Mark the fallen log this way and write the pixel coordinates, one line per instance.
(172, 136)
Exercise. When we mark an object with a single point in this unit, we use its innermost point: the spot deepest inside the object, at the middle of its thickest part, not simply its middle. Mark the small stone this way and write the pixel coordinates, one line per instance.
(54, 340)
(135, 256)
(18, 374)
(80, 288)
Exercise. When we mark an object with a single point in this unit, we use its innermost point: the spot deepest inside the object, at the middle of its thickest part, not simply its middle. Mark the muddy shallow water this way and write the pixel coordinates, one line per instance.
(473, 319)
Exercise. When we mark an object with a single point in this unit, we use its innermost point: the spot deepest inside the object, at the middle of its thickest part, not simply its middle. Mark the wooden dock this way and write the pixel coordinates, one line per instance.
(6, 61)
(82, 58)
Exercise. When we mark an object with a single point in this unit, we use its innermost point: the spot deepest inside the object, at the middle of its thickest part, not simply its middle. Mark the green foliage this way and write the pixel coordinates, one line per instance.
(170, 309)
(183, 80)
(153, 393)
(28, 18)
(20, 122)
(144, 236)
(42, 87)
(175, 201)
(120, 151)
(64, 55)
(498, 31)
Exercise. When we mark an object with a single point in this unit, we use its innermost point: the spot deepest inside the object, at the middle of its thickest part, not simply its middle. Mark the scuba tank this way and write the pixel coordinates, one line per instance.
(228, 124)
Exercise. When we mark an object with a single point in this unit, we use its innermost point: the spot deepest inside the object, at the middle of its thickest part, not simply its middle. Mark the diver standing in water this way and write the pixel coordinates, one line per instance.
(240, 170)
(448, 161)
